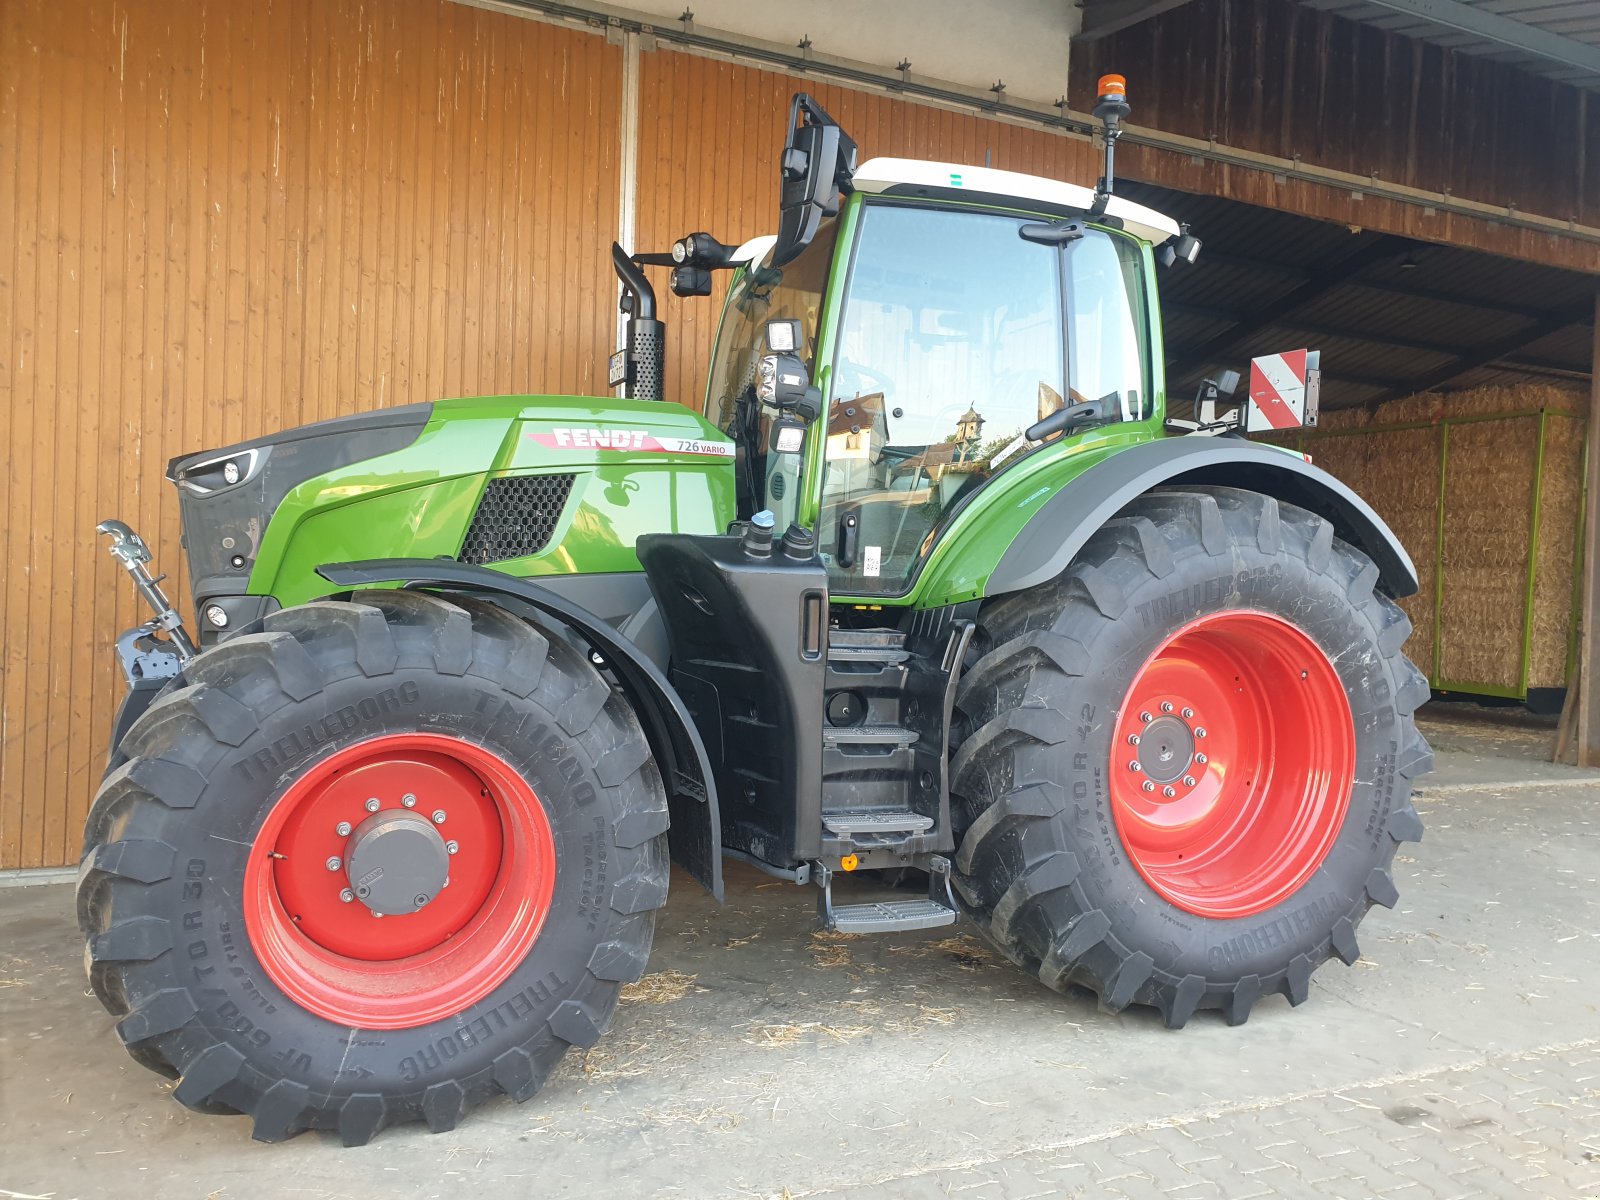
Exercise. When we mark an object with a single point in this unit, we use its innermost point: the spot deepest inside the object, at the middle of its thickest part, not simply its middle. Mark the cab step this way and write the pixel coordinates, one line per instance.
(868, 735)
(887, 916)
(847, 823)
(867, 646)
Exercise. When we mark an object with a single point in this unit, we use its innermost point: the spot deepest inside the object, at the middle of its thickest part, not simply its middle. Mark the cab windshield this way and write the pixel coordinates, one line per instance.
(762, 293)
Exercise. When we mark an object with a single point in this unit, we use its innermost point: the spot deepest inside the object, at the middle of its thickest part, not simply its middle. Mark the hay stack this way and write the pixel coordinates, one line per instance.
(1488, 521)
(1555, 573)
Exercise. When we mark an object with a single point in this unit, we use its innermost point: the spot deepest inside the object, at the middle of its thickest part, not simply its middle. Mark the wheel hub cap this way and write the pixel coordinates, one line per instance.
(1166, 748)
(398, 862)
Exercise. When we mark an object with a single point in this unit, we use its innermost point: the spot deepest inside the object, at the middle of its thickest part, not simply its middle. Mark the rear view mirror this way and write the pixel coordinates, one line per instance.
(818, 162)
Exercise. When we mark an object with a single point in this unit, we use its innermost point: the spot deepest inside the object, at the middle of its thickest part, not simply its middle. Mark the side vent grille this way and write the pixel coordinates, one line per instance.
(515, 518)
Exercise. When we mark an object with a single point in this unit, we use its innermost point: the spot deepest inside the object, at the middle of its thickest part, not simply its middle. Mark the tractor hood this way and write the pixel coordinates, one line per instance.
(531, 485)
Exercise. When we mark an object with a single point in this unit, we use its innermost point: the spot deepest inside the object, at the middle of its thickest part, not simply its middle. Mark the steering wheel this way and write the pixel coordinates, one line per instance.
(877, 381)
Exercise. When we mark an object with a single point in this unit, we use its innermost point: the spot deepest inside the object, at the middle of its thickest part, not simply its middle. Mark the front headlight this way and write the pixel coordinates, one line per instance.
(227, 497)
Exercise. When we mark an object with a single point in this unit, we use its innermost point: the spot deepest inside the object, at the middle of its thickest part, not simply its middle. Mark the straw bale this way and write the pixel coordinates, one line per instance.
(1487, 519)
(1397, 472)
(1555, 568)
(1484, 553)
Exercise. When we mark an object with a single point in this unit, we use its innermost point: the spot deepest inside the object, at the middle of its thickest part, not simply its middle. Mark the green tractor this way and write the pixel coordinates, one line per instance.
(933, 589)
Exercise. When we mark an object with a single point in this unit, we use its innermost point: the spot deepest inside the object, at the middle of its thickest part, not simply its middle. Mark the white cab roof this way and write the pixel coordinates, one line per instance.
(914, 177)
(755, 249)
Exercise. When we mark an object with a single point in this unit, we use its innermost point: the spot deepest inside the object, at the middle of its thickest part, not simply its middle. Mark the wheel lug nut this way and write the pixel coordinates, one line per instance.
(347, 895)
(1199, 732)
(1148, 786)
(408, 800)
(333, 863)
(451, 847)
(342, 828)
(1188, 781)
(373, 804)
(1169, 791)
(1146, 717)
(438, 816)
(1187, 713)
(1133, 739)
(1135, 767)
(376, 913)
(1166, 706)
(1201, 759)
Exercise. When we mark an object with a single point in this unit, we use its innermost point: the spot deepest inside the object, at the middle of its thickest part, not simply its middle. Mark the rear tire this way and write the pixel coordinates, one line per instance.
(209, 947)
(1067, 860)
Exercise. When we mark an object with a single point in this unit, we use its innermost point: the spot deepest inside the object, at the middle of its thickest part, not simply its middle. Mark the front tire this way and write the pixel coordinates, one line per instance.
(1108, 838)
(397, 743)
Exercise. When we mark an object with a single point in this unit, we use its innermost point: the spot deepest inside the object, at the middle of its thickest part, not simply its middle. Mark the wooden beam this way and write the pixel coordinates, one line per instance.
(1440, 296)
(1490, 352)
(1113, 16)
(1322, 280)
(1589, 641)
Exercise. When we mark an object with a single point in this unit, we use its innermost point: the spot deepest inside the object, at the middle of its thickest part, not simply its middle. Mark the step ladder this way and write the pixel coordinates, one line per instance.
(887, 916)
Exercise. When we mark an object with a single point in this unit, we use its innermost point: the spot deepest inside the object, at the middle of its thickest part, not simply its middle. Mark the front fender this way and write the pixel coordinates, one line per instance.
(695, 833)
(1064, 523)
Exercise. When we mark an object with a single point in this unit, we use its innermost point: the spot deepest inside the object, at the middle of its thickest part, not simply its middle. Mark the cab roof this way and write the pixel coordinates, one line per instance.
(952, 181)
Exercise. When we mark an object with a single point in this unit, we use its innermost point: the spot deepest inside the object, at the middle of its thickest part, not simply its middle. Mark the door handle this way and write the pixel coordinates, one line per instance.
(849, 537)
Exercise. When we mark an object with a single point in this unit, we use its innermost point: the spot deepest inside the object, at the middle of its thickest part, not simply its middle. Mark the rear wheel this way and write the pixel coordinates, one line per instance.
(377, 862)
(1189, 760)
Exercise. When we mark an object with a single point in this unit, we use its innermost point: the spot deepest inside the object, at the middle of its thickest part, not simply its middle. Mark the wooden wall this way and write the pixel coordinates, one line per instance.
(1280, 79)
(220, 218)
(721, 175)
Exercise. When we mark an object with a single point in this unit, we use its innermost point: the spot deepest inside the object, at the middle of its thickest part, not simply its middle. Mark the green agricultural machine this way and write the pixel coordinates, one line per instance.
(933, 589)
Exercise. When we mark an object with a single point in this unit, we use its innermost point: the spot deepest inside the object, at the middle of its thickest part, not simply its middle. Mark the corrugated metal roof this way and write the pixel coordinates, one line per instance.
(1390, 315)
(1559, 39)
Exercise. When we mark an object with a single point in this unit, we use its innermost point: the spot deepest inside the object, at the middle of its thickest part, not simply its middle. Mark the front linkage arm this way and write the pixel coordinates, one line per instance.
(144, 655)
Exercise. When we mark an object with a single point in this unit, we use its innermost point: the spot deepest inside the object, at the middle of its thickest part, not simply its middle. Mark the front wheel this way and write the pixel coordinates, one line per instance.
(1189, 760)
(375, 863)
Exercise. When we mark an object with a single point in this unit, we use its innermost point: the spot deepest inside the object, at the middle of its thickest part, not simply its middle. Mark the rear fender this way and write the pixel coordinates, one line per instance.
(695, 833)
(1062, 526)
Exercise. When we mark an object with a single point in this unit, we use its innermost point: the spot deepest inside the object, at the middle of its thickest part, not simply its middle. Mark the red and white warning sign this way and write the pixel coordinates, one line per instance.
(1283, 391)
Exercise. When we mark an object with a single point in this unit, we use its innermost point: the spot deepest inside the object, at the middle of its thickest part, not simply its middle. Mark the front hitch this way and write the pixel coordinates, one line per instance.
(144, 655)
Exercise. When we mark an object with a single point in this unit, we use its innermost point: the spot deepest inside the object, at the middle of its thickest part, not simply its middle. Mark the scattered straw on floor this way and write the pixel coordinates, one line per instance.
(779, 1034)
(829, 948)
(963, 950)
(692, 1114)
(662, 987)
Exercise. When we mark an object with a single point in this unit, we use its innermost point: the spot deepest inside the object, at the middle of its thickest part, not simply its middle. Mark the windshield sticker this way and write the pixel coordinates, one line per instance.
(591, 437)
(872, 562)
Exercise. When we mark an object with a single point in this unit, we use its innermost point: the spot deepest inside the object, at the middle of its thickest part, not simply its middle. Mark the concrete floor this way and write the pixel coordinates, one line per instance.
(762, 1058)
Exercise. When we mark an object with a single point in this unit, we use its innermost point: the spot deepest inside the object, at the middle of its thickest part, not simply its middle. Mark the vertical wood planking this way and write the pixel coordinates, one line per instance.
(218, 220)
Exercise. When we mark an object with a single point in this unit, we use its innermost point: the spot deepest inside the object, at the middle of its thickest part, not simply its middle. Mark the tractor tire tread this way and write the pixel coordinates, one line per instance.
(299, 651)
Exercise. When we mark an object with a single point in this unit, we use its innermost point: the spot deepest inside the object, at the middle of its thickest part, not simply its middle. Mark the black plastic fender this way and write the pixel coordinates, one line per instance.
(695, 834)
(1069, 518)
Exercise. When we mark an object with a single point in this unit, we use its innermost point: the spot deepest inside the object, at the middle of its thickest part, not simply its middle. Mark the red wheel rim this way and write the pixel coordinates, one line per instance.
(1233, 764)
(330, 952)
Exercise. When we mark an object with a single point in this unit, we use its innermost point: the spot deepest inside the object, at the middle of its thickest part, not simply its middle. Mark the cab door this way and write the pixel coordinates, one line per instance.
(955, 335)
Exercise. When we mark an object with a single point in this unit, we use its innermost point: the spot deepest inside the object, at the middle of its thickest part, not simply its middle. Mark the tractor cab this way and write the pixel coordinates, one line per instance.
(939, 328)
